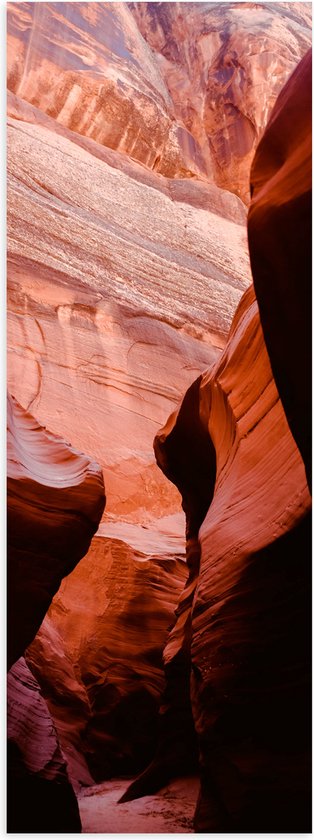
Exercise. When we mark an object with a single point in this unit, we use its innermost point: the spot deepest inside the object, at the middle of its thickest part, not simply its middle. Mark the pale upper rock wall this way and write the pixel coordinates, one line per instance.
(100, 298)
(185, 90)
(224, 65)
(87, 65)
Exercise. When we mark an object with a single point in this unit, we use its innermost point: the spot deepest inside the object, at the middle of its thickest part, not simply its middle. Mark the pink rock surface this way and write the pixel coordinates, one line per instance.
(88, 66)
(191, 97)
(55, 501)
(224, 65)
(247, 605)
(99, 300)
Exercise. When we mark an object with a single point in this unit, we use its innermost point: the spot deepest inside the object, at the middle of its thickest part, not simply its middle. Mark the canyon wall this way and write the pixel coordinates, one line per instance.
(55, 499)
(248, 602)
(128, 169)
(186, 91)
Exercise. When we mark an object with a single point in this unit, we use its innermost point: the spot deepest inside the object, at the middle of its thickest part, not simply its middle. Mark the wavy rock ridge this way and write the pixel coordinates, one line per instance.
(112, 312)
(247, 601)
(110, 689)
(55, 500)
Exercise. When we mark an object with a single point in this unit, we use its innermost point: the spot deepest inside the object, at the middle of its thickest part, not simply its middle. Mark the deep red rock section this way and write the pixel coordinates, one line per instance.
(280, 231)
(40, 797)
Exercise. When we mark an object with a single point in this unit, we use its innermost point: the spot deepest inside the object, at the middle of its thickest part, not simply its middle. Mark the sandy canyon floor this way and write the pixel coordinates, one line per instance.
(168, 812)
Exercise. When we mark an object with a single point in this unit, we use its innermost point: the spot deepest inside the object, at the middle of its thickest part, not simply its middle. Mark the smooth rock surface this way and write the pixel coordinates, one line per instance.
(250, 613)
(55, 499)
(40, 796)
(250, 616)
(280, 238)
(98, 654)
(99, 300)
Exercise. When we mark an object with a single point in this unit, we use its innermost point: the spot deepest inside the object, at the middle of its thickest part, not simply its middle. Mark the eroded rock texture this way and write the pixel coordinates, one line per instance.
(125, 267)
(224, 65)
(100, 299)
(249, 613)
(98, 654)
(55, 499)
(190, 98)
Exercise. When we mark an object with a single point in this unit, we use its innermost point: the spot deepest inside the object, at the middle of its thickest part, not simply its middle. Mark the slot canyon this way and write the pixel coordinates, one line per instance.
(159, 417)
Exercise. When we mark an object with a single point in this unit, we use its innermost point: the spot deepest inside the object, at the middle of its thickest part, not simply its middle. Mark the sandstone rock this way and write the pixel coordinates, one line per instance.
(189, 98)
(40, 797)
(89, 67)
(250, 614)
(250, 602)
(55, 501)
(100, 300)
(98, 654)
(280, 238)
(224, 65)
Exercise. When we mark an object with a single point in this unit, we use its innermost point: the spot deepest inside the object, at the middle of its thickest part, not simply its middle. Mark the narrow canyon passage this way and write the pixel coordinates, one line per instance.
(159, 510)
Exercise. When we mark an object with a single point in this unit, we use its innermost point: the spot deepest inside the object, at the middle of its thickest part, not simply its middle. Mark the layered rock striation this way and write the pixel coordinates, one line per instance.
(40, 796)
(280, 236)
(125, 267)
(99, 299)
(55, 499)
(185, 91)
(98, 654)
(224, 65)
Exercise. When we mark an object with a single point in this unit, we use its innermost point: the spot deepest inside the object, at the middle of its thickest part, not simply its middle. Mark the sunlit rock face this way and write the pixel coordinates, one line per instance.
(189, 98)
(100, 299)
(224, 65)
(98, 654)
(40, 797)
(124, 274)
(87, 65)
(247, 605)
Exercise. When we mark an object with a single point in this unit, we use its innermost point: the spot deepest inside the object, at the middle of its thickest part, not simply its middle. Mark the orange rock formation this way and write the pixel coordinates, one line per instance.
(244, 616)
(128, 166)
